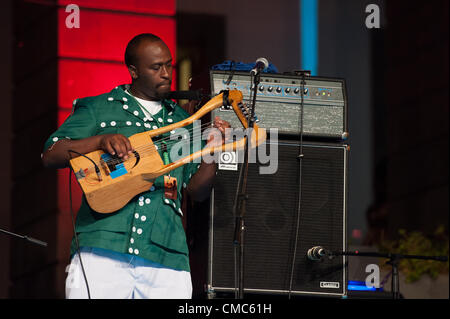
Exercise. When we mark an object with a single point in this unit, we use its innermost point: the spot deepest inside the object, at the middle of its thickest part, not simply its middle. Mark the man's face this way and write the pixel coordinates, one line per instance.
(153, 72)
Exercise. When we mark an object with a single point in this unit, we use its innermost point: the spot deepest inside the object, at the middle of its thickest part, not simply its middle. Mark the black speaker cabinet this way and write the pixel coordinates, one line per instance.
(271, 224)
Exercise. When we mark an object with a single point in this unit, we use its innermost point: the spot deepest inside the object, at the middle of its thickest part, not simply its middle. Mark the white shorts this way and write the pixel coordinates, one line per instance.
(112, 275)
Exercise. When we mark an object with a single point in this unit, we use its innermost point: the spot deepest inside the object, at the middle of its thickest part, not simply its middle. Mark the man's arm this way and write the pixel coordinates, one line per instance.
(199, 187)
(78, 133)
(58, 155)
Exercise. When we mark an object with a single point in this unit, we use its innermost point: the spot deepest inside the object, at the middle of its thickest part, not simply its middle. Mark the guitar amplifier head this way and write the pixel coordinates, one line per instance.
(278, 103)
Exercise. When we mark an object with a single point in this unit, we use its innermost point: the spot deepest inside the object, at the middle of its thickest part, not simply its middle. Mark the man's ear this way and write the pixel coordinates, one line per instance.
(133, 71)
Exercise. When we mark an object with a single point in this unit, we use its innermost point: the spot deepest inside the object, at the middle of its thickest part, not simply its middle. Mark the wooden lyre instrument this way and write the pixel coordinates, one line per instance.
(109, 187)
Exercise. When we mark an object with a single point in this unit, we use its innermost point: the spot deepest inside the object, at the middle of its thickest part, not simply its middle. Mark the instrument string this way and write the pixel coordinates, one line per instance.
(159, 142)
(150, 149)
(168, 141)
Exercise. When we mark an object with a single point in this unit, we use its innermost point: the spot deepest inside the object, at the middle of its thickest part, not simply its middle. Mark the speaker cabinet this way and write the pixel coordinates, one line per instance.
(313, 197)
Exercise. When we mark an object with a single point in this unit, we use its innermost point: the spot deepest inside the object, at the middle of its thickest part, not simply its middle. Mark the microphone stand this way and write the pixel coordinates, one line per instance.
(394, 260)
(30, 239)
(241, 198)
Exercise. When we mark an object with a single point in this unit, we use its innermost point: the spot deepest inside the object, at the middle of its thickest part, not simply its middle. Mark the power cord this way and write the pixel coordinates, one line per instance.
(300, 158)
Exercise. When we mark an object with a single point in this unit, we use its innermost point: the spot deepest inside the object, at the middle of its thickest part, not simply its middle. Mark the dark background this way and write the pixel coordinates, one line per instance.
(397, 82)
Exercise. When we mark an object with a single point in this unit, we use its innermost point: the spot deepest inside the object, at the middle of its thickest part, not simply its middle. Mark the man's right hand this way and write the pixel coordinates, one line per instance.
(116, 144)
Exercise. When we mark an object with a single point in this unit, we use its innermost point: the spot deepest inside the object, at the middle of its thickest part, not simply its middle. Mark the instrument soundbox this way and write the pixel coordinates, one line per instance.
(109, 183)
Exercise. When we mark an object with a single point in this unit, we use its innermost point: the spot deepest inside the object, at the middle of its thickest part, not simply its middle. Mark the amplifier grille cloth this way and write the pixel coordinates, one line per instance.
(271, 222)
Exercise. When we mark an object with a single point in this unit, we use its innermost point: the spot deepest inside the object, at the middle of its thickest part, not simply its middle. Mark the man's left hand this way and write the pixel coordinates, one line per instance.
(219, 134)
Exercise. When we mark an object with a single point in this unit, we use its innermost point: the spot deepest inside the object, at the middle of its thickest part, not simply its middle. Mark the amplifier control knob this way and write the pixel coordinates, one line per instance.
(278, 90)
(270, 89)
(287, 90)
(297, 91)
(261, 88)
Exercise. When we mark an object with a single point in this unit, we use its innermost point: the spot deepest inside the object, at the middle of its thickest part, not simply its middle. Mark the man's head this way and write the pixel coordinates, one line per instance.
(150, 65)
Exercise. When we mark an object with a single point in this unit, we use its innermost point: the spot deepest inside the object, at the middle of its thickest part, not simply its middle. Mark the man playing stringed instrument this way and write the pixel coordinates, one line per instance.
(140, 250)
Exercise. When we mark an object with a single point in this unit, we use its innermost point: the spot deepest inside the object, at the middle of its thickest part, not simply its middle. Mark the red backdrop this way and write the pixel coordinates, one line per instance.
(91, 56)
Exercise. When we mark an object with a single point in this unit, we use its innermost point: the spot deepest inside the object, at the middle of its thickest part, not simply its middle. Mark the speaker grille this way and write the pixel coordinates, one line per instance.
(271, 220)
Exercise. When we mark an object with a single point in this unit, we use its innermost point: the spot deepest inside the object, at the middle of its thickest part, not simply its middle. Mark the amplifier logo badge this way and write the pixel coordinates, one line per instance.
(228, 161)
(326, 284)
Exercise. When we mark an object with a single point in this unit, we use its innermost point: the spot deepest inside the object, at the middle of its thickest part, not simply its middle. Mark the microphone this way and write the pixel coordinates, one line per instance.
(260, 65)
(184, 95)
(316, 253)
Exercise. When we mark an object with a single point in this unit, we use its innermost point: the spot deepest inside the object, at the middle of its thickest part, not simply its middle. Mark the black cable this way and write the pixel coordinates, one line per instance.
(236, 196)
(236, 230)
(300, 158)
(231, 70)
(73, 219)
(238, 221)
(97, 169)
